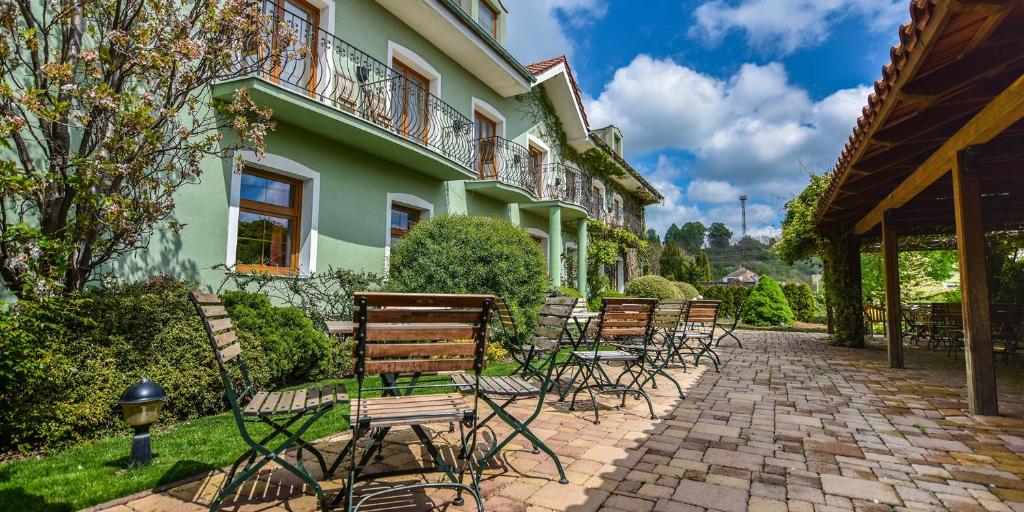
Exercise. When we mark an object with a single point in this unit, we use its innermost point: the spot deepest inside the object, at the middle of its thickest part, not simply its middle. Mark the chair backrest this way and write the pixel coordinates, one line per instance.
(625, 318)
(701, 316)
(552, 322)
(668, 314)
(1004, 315)
(946, 313)
(413, 333)
(874, 314)
(224, 341)
(507, 321)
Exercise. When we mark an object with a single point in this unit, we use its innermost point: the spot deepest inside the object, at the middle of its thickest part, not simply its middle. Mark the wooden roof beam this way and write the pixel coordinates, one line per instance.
(967, 70)
(1005, 110)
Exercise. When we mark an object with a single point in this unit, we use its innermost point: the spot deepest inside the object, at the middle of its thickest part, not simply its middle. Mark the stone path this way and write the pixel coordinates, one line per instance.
(789, 424)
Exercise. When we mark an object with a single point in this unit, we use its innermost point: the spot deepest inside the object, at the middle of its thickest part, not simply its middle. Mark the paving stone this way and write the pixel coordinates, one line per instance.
(714, 496)
(861, 489)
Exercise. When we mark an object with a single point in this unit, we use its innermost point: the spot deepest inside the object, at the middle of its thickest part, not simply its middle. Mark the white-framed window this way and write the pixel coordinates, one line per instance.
(273, 216)
(402, 213)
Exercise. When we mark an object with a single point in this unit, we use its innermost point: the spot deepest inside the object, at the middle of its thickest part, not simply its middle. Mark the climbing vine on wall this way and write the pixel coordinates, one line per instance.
(606, 245)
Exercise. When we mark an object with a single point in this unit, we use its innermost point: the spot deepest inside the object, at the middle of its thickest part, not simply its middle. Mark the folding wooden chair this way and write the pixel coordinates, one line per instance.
(278, 409)
(701, 318)
(403, 337)
(522, 352)
(620, 320)
(662, 348)
(729, 328)
(551, 329)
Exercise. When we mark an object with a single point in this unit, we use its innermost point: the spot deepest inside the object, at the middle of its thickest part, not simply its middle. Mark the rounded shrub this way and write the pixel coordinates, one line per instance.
(688, 290)
(653, 286)
(767, 305)
(463, 254)
(565, 291)
(594, 304)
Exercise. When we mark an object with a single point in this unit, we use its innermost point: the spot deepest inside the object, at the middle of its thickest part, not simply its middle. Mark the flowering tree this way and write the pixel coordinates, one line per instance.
(105, 112)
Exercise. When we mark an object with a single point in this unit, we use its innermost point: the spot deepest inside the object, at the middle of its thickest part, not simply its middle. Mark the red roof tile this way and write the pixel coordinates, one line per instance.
(909, 35)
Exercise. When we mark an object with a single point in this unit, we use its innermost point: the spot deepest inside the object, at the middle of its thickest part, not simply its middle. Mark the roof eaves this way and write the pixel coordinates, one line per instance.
(633, 173)
(457, 9)
(910, 36)
(538, 68)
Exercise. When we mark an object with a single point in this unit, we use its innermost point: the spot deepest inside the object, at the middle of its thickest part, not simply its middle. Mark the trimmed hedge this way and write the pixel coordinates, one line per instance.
(688, 290)
(463, 254)
(594, 304)
(653, 286)
(731, 295)
(767, 305)
(66, 361)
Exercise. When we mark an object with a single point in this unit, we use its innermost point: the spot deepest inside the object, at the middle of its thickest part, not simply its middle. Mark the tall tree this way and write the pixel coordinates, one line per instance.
(701, 268)
(719, 236)
(104, 114)
(691, 236)
(675, 263)
(672, 235)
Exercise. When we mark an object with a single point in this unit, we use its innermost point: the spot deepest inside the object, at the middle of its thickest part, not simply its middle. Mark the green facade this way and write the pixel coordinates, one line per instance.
(358, 167)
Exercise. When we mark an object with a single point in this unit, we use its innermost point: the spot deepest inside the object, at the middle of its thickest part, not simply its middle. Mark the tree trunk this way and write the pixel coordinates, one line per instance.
(632, 264)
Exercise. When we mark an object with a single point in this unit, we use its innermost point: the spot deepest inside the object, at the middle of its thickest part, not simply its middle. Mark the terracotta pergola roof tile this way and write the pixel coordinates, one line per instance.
(910, 36)
(540, 67)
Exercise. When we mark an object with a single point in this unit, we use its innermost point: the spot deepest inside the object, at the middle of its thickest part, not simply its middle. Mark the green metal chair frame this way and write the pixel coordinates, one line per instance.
(701, 319)
(620, 318)
(662, 348)
(279, 410)
(730, 328)
(401, 336)
(522, 353)
(552, 328)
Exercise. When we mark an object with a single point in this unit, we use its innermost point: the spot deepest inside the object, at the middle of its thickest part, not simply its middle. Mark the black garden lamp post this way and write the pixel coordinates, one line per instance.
(141, 405)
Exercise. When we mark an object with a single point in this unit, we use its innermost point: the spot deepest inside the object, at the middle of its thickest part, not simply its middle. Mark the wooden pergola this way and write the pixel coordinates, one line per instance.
(940, 149)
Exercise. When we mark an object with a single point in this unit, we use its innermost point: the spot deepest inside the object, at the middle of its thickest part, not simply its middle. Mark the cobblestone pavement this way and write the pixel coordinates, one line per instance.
(788, 424)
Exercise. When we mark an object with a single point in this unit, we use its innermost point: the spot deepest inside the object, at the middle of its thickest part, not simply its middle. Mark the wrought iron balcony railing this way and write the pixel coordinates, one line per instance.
(567, 184)
(498, 158)
(328, 69)
(621, 218)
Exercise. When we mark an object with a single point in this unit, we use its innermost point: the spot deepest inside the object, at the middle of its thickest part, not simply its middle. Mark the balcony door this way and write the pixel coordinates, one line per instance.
(295, 69)
(537, 170)
(486, 141)
(411, 93)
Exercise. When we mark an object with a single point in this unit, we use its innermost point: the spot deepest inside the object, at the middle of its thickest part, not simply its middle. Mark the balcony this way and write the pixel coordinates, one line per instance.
(626, 219)
(320, 69)
(504, 171)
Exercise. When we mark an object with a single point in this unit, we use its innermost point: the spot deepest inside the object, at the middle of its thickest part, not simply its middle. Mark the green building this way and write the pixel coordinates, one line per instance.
(395, 111)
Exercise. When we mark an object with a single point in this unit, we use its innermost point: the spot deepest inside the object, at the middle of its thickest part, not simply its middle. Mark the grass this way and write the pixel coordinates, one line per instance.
(98, 472)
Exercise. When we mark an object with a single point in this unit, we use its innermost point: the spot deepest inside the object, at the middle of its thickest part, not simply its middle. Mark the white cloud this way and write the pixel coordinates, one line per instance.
(679, 206)
(535, 31)
(711, 191)
(754, 130)
(783, 26)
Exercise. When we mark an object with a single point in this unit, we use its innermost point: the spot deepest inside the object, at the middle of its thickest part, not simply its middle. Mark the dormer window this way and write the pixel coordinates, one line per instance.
(617, 143)
(487, 17)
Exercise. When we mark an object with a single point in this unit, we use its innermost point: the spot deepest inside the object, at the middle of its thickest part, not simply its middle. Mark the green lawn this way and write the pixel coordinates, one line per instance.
(97, 472)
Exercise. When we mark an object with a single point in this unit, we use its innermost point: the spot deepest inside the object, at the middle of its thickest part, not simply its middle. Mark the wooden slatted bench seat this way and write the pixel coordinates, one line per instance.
(270, 403)
(501, 386)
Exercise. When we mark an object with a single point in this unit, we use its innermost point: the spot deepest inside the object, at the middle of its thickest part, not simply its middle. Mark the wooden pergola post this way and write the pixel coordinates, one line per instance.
(893, 324)
(970, 241)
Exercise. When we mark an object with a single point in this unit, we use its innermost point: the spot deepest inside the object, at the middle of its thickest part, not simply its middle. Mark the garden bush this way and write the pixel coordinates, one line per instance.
(767, 305)
(594, 304)
(565, 291)
(652, 286)
(462, 254)
(731, 297)
(801, 301)
(688, 290)
(66, 361)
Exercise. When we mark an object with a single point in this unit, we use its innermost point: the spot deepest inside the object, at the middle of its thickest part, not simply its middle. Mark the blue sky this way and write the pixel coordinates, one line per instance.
(718, 97)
